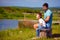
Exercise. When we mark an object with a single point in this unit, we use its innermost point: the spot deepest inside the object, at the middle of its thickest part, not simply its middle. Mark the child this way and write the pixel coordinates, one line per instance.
(39, 26)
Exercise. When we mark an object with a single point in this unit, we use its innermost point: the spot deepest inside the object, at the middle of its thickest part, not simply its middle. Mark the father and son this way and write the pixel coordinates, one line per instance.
(45, 23)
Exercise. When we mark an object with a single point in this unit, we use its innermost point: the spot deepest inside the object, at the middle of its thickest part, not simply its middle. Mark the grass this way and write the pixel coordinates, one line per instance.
(26, 33)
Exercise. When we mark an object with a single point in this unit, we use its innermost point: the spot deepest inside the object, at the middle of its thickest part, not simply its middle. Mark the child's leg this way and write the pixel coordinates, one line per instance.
(35, 26)
(37, 29)
(37, 32)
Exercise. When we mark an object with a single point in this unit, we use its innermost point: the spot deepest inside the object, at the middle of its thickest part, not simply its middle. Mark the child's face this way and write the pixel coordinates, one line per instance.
(37, 16)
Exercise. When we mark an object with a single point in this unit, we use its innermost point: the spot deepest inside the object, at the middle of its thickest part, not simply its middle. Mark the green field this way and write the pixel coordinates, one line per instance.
(19, 13)
(26, 33)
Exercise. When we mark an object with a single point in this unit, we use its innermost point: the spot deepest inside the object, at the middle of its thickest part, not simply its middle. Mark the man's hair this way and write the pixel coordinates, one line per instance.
(40, 14)
(45, 4)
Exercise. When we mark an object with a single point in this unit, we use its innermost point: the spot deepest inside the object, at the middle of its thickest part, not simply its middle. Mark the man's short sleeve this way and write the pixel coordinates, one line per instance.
(48, 13)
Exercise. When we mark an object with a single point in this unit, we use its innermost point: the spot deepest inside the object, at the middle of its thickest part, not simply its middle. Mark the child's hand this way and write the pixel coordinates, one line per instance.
(41, 24)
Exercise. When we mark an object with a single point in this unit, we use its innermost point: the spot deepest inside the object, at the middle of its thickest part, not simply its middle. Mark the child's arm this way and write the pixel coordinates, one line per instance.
(40, 21)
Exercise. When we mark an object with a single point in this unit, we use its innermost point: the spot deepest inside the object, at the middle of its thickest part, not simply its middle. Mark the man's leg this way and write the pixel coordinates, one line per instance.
(49, 33)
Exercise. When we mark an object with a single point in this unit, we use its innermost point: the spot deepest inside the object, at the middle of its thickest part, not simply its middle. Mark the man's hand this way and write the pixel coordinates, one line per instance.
(47, 19)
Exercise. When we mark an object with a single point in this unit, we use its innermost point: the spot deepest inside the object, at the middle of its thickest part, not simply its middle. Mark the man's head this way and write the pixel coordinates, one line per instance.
(45, 6)
(39, 15)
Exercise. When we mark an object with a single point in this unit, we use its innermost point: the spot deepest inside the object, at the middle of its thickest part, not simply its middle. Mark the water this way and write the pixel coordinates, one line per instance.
(8, 24)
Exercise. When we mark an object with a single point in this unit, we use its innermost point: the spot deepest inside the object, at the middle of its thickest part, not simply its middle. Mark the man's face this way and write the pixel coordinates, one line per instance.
(44, 8)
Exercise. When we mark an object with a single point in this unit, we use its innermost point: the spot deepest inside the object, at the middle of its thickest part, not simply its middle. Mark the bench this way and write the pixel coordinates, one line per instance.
(43, 33)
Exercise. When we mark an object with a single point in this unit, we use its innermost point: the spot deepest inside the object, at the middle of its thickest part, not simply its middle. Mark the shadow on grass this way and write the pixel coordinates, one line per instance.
(55, 35)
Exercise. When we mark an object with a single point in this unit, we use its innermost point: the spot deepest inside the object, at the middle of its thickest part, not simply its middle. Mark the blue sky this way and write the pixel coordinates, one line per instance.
(30, 3)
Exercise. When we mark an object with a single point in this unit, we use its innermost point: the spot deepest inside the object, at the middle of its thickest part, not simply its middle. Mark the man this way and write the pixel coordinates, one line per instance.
(47, 18)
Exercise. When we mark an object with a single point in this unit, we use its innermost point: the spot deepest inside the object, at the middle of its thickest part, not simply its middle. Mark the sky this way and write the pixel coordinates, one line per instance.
(30, 3)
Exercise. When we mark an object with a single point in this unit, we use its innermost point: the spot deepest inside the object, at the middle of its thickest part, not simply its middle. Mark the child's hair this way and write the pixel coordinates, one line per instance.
(40, 14)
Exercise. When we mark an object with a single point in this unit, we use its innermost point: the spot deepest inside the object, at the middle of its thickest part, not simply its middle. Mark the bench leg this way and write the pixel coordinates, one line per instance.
(43, 34)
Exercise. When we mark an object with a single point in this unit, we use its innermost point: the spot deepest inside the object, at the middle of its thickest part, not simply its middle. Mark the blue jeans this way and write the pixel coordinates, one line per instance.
(39, 29)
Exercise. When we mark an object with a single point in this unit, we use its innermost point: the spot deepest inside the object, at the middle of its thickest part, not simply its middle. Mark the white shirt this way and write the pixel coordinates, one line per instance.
(43, 22)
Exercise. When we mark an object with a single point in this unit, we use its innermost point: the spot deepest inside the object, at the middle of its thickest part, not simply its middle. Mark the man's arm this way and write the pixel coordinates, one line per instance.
(47, 19)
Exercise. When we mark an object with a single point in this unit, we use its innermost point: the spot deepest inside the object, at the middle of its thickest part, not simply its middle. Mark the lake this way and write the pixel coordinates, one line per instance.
(8, 24)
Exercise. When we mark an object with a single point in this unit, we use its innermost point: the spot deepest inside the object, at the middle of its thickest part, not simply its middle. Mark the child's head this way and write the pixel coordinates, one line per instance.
(39, 15)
